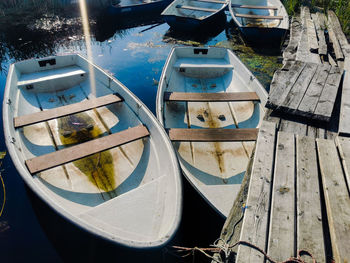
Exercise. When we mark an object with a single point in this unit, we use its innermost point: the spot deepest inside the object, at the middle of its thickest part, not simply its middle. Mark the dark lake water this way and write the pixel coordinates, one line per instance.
(135, 54)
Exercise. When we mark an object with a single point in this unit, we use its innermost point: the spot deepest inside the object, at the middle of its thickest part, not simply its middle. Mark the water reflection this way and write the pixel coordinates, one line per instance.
(134, 50)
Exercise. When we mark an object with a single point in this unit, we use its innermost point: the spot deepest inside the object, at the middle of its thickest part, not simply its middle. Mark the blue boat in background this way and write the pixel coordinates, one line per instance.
(188, 15)
(122, 7)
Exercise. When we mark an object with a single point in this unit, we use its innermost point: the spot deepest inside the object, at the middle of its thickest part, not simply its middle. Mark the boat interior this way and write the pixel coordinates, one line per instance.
(212, 161)
(258, 13)
(197, 9)
(87, 145)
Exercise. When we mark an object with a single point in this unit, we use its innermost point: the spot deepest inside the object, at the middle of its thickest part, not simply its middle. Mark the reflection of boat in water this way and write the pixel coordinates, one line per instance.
(260, 20)
(138, 6)
(209, 103)
(107, 26)
(94, 155)
(192, 14)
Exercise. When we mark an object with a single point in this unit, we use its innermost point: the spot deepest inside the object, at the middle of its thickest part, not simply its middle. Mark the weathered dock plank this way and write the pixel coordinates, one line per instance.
(344, 119)
(255, 221)
(281, 89)
(335, 42)
(314, 91)
(334, 21)
(336, 198)
(309, 217)
(293, 127)
(311, 36)
(303, 51)
(297, 92)
(344, 152)
(322, 46)
(326, 102)
(282, 222)
(295, 34)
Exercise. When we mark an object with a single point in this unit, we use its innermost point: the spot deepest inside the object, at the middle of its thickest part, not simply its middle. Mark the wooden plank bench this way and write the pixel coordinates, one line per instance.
(65, 110)
(212, 135)
(210, 10)
(226, 96)
(254, 7)
(259, 16)
(54, 159)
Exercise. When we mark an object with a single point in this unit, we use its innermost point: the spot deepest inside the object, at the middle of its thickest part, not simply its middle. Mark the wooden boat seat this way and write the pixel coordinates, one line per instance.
(70, 154)
(36, 77)
(199, 96)
(259, 17)
(213, 135)
(211, 1)
(253, 6)
(65, 110)
(197, 8)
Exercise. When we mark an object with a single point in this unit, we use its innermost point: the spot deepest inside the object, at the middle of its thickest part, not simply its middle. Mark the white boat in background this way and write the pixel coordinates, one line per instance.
(260, 21)
(189, 15)
(211, 105)
(95, 156)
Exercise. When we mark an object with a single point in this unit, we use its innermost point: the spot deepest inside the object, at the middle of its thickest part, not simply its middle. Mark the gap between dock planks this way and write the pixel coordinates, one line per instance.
(336, 198)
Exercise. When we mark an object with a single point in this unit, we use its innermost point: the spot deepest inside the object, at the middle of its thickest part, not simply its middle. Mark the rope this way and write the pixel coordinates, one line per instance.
(217, 248)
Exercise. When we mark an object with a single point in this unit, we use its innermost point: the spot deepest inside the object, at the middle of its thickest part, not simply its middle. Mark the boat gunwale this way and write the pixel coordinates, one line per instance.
(32, 181)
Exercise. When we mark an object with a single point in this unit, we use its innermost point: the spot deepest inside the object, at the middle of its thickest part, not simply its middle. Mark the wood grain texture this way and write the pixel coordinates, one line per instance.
(54, 159)
(295, 33)
(336, 198)
(322, 46)
(296, 94)
(314, 91)
(344, 152)
(309, 217)
(212, 135)
(254, 6)
(326, 102)
(209, 10)
(282, 223)
(200, 96)
(332, 33)
(65, 110)
(311, 36)
(344, 120)
(255, 221)
(334, 21)
(259, 17)
(283, 84)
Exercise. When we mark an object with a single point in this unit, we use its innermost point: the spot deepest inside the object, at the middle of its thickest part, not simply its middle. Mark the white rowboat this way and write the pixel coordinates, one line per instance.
(96, 157)
(211, 105)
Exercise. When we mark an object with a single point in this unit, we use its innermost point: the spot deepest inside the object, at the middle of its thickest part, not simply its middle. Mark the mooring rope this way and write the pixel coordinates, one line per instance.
(224, 247)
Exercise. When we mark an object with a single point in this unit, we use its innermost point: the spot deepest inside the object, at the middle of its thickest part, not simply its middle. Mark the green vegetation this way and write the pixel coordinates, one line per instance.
(340, 7)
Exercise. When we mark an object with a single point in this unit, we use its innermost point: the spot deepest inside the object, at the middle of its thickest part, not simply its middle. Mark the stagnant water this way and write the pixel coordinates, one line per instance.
(133, 51)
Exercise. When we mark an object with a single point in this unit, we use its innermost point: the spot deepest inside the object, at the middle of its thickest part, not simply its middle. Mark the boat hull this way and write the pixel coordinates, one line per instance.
(120, 193)
(191, 24)
(261, 35)
(147, 8)
(214, 168)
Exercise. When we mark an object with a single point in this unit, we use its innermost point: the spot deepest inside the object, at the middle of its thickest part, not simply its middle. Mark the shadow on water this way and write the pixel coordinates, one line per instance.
(200, 226)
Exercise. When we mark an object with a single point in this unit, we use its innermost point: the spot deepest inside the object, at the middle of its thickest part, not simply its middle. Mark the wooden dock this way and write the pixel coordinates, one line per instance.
(296, 192)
